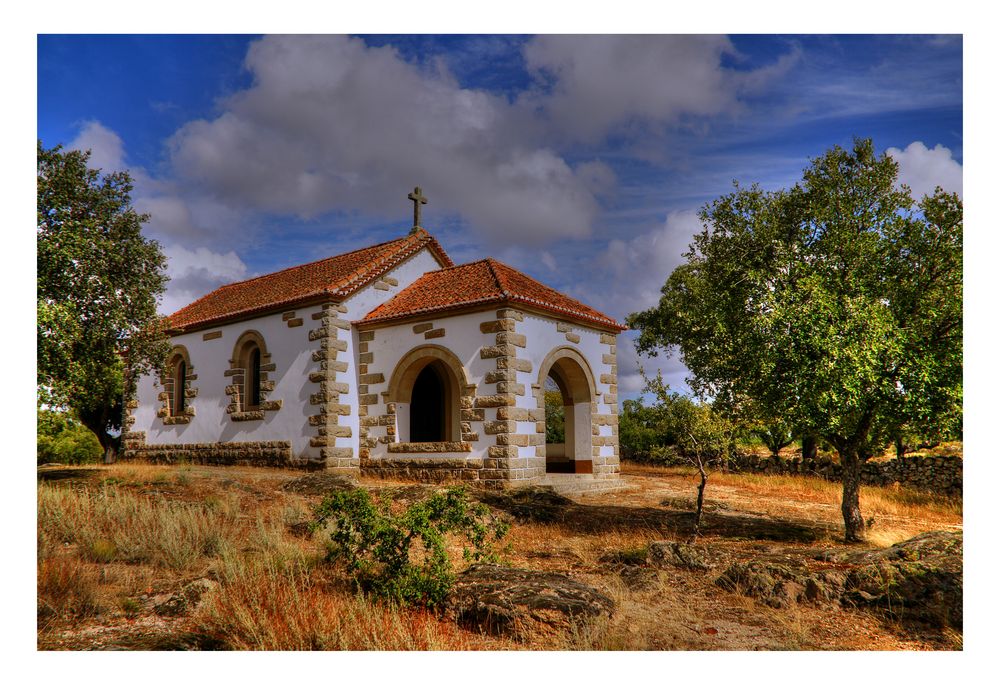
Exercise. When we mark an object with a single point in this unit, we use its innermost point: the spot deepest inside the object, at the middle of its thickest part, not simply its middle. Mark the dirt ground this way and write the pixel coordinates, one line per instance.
(747, 517)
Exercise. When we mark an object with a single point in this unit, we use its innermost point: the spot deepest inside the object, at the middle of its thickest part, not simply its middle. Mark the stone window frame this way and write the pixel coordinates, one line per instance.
(167, 412)
(458, 387)
(237, 375)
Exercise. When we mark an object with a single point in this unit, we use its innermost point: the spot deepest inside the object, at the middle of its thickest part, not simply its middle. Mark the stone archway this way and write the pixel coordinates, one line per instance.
(571, 374)
(425, 387)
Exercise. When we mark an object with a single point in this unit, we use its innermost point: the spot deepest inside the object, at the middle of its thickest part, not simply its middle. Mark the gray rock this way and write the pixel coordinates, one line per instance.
(184, 601)
(520, 602)
(535, 503)
(678, 554)
(918, 579)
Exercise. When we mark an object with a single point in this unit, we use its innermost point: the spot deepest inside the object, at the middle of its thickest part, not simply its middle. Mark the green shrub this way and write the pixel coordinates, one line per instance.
(65, 441)
(377, 547)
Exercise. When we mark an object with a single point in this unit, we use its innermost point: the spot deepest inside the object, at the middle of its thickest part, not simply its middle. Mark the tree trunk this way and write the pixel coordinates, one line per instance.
(701, 498)
(809, 447)
(850, 507)
(97, 424)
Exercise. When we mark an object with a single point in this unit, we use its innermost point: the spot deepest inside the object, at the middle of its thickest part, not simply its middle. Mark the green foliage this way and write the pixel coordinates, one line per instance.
(64, 441)
(98, 281)
(402, 558)
(835, 305)
(702, 435)
(555, 417)
(659, 433)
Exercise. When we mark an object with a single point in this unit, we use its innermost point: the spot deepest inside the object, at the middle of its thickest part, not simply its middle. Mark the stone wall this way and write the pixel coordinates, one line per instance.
(277, 453)
(942, 475)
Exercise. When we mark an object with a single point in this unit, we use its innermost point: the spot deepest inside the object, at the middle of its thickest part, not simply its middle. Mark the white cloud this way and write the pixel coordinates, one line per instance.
(107, 152)
(923, 169)
(193, 268)
(598, 83)
(195, 272)
(639, 267)
(630, 380)
(330, 123)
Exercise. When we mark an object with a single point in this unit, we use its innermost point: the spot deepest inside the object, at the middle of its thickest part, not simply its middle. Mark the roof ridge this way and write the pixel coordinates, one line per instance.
(491, 264)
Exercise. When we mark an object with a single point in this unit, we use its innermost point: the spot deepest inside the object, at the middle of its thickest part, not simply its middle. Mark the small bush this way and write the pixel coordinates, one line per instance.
(375, 545)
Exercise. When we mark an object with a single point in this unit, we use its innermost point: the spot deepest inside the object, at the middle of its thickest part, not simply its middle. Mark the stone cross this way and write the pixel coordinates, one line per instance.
(418, 199)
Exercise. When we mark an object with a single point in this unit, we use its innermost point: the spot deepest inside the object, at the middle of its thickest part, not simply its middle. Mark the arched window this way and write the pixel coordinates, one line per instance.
(249, 384)
(250, 362)
(179, 386)
(176, 407)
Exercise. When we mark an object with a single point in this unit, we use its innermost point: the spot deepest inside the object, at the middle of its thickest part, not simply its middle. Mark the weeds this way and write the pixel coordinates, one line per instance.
(65, 586)
(113, 525)
(273, 605)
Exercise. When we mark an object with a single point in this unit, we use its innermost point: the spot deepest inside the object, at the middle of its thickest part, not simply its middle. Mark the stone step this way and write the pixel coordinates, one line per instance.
(571, 483)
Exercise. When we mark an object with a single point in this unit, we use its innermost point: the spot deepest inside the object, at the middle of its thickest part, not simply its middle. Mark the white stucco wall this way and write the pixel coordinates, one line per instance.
(462, 338)
(358, 306)
(291, 352)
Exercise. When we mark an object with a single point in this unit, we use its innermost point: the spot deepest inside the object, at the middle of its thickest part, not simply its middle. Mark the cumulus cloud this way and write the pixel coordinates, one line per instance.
(330, 123)
(597, 83)
(107, 152)
(195, 272)
(632, 365)
(638, 268)
(924, 168)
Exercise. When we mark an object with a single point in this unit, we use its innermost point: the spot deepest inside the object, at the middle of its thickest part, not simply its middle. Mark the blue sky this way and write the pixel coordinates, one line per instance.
(581, 160)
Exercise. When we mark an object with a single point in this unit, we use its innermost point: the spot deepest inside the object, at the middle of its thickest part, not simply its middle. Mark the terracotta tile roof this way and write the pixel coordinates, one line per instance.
(334, 277)
(483, 282)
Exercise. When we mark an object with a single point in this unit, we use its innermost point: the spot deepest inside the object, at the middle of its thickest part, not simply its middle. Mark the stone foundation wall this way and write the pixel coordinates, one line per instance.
(942, 475)
(277, 453)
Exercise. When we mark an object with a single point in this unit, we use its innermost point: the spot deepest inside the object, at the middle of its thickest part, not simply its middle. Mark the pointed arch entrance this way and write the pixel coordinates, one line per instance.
(571, 384)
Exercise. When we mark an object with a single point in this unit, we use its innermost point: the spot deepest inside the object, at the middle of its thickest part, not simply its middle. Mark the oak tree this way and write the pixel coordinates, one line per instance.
(834, 306)
(98, 283)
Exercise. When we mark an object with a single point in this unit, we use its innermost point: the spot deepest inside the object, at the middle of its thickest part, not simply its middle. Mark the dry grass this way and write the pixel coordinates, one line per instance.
(110, 524)
(280, 604)
(894, 513)
(136, 531)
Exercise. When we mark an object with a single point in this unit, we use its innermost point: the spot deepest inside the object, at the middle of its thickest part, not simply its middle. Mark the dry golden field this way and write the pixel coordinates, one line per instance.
(114, 541)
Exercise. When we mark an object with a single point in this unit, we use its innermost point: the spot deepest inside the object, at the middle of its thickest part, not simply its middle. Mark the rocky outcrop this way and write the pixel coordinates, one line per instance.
(669, 554)
(186, 600)
(918, 579)
(520, 602)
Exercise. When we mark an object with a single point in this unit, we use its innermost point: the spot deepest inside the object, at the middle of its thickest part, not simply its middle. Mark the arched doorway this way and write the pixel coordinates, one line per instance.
(565, 392)
(425, 387)
(429, 405)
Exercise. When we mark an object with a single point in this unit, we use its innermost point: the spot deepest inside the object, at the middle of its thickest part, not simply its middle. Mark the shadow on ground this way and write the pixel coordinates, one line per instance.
(542, 505)
(54, 474)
